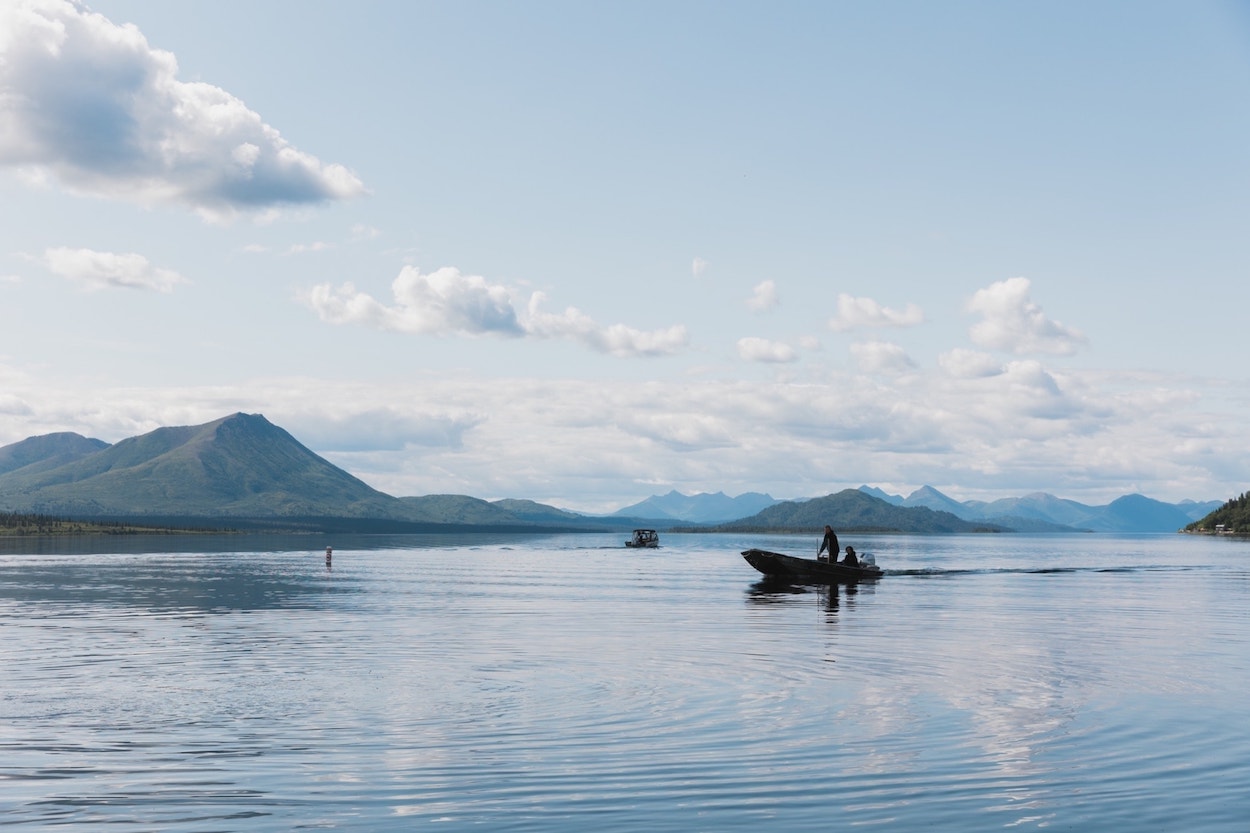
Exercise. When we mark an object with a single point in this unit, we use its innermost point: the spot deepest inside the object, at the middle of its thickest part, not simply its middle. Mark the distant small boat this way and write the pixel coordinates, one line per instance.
(648, 538)
(809, 570)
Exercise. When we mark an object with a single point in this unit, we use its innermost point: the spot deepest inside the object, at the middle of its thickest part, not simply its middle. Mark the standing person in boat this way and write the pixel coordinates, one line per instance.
(829, 542)
(851, 559)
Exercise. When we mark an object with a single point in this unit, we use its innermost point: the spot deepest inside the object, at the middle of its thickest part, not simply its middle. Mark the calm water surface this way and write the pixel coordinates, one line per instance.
(1083, 682)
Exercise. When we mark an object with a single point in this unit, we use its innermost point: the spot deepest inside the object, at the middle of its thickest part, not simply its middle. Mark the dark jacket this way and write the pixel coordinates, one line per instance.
(829, 542)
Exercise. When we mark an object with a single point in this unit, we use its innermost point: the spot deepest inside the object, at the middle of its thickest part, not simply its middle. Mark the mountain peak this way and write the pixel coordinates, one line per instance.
(48, 450)
(241, 465)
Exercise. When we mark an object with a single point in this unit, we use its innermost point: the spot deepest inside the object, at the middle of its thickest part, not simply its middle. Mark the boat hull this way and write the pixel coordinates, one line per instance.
(807, 570)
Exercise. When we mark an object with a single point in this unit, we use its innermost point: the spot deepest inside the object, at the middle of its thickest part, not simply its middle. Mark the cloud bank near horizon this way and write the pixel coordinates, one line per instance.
(90, 105)
(594, 444)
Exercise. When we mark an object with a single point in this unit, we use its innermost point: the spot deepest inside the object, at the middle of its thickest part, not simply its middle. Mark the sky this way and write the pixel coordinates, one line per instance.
(584, 253)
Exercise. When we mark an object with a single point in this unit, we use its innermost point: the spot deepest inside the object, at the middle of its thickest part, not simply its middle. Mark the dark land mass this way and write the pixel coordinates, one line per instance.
(852, 510)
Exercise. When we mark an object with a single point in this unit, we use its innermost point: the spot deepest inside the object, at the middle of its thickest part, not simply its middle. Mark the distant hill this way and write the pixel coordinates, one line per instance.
(852, 510)
(240, 465)
(897, 500)
(47, 451)
(1197, 510)
(698, 508)
(528, 510)
(1041, 512)
(931, 498)
(456, 509)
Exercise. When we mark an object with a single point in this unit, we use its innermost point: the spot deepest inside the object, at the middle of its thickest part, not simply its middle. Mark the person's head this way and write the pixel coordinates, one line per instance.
(828, 528)
(850, 550)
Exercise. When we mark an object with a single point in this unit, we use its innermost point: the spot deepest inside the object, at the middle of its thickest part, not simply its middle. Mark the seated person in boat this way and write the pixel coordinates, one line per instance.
(830, 542)
(851, 559)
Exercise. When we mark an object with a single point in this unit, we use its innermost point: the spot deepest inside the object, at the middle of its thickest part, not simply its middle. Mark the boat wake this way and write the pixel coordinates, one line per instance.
(943, 572)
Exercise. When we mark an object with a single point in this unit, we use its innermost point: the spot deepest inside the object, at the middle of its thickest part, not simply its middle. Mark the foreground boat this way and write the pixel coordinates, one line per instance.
(647, 538)
(808, 570)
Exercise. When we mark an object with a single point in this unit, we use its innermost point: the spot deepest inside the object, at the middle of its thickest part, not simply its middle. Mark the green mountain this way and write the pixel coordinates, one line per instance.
(240, 471)
(528, 510)
(853, 510)
(456, 509)
(48, 451)
(238, 466)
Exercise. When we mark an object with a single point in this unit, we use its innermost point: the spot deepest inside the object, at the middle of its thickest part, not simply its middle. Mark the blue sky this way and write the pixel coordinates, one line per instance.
(588, 252)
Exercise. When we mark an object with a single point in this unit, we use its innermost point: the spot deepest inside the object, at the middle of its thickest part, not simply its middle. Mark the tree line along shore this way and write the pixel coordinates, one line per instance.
(16, 524)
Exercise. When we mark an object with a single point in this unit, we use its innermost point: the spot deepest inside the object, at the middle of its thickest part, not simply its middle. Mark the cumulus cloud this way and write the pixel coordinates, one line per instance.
(855, 312)
(616, 339)
(447, 302)
(764, 297)
(443, 302)
(108, 270)
(763, 350)
(1013, 323)
(969, 364)
(882, 357)
(92, 105)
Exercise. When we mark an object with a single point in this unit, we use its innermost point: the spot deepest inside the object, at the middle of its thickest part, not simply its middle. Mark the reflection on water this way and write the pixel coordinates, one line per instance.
(830, 597)
(540, 684)
(254, 542)
(185, 582)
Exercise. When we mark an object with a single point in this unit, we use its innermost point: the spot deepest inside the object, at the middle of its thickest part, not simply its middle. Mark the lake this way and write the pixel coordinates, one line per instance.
(565, 683)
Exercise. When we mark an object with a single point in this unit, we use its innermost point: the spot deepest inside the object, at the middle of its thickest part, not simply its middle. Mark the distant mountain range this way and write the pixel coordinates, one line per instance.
(700, 508)
(1042, 512)
(853, 510)
(244, 471)
(1038, 512)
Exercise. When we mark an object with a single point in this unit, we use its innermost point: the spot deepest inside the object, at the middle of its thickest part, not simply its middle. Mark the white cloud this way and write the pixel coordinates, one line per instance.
(616, 339)
(854, 313)
(1013, 323)
(698, 267)
(307, 248)
(105, 270)
(764, 297)
(91, 105)
(447, 302)
(763, 350)
(439, 303)
(969, 364)
(881, 357)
